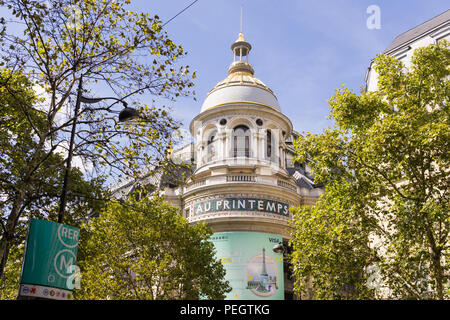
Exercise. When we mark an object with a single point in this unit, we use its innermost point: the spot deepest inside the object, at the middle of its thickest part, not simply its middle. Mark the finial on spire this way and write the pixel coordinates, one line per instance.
(241, 49)
(241, 20)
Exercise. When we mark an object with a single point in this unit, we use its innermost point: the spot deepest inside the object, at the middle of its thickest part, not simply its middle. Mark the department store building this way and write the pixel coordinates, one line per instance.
(243, 180)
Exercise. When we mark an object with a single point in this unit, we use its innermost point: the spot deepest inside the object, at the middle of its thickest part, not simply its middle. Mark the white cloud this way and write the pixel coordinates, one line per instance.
(77, 162)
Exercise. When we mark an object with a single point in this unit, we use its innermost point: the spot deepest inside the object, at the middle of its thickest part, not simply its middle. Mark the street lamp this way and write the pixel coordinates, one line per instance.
(128, 114)
(278, 248)
(125, 115)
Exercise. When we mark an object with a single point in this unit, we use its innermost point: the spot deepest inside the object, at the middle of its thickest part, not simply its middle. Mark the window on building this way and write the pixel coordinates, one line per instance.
(241, 141)
(269, 144)
(211, 145)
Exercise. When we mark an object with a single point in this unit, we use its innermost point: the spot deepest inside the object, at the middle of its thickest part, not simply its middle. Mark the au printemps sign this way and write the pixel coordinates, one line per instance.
(241, 204)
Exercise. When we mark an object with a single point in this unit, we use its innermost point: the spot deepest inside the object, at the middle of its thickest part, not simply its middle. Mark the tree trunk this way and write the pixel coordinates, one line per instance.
(14, 216)
(11, 223)
(438, 274)
(4, 250)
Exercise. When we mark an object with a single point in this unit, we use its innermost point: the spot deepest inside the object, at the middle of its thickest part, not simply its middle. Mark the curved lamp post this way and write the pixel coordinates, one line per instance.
(128, 114)
(125, 115)
(278, 248)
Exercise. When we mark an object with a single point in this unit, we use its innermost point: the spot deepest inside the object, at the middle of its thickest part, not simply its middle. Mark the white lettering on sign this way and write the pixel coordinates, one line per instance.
(241, 204)
(69, 233)
(68, 236)
(280, 206)
(199, 209)
(270, 206)
(260, 205)
(62, 261)
(63, 264)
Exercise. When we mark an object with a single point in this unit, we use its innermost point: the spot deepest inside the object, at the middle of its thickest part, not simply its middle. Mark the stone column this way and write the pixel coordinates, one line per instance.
(221, 144)
(228, 145)
(255, 145)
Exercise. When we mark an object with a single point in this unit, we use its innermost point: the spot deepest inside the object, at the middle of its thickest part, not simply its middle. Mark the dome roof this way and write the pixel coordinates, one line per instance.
(240, 86)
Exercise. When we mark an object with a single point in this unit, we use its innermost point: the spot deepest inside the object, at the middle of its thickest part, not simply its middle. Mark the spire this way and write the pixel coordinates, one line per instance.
(241, 20)
(241, 49)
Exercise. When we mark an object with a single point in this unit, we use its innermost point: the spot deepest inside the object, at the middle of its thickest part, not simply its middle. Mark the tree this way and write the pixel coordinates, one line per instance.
(10, 281)
(73, 48)
(16, 144)
(144, 249)
(385, 213)
(330, 247)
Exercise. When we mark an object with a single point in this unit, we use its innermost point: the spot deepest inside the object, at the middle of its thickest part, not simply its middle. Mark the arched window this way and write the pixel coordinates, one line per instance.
(269, 144)
(211, 145)
(241, 141)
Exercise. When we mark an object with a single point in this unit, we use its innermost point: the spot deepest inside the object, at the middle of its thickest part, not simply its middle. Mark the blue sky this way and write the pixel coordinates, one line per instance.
(303, 50)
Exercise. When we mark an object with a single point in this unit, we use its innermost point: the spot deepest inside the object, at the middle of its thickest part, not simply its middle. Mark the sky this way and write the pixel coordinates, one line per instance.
(302, 50)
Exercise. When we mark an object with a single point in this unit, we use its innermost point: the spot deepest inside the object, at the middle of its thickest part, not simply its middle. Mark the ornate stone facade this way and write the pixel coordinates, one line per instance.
(244, 178)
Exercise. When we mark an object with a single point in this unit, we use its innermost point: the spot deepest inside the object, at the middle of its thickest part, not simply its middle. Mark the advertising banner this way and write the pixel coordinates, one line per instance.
(50, 258)
(254, 270)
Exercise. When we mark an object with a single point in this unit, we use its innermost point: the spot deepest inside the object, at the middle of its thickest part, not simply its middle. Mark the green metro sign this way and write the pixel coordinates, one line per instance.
(50, 254)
